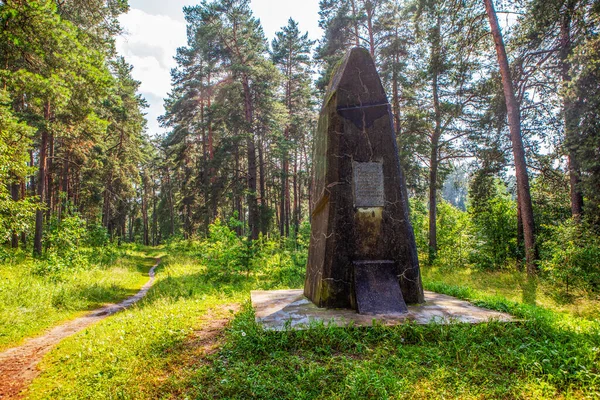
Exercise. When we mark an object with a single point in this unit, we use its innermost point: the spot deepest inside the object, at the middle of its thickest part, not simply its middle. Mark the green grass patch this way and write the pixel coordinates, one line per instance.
(33, 299)
(150, 351)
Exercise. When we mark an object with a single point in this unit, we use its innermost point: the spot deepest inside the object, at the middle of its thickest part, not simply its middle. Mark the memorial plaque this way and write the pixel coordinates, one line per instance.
(368, 184)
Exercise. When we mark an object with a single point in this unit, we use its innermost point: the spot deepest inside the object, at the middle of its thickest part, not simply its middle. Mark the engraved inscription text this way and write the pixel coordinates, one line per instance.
(368, 184)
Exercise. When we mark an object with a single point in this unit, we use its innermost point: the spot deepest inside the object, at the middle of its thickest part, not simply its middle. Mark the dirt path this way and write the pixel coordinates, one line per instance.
(18, 364)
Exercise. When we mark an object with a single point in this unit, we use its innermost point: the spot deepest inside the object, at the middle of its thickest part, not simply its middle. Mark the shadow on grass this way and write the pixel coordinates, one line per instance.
(494, 360)
(529, 290)
(538, 354)
(88, 297)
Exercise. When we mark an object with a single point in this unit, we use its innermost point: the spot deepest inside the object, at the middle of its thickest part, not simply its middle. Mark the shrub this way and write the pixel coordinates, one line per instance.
(64, 236)
(571, 258)
(224, 252)
(494, 220)
(453, 235)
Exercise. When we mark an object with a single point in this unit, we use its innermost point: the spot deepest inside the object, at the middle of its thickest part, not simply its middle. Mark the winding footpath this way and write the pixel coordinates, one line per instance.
(18, 364)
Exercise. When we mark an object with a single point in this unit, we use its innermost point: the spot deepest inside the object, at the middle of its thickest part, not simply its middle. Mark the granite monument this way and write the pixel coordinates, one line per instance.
(362, 252)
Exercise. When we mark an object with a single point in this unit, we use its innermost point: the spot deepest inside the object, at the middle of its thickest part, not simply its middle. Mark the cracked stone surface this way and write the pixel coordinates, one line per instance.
(277, 309)
(359, 208)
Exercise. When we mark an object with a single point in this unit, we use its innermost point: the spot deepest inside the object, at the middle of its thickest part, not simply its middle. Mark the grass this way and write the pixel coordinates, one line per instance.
(516, 287)
(32, 300)
(152, 351)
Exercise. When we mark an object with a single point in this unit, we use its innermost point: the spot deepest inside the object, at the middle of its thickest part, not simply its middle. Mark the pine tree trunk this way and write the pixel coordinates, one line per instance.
(514, 123)
(14, 189)
(145, 210)
(569, 111)
(49, 176)
(263, 195)
(296, 214)
(355, 23)
(284, 173)
(154, 215)
(251, 155)
(435, 139)
(370, 11)
(395, 95)
(23, 187)
(32, 178)
(41, 189)
(64, 187)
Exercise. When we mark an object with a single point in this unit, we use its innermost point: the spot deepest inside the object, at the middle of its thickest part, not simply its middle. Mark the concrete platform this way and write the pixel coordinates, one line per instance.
(277, 308)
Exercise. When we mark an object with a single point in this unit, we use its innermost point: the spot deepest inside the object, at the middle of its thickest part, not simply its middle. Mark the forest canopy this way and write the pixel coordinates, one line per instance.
(495, 110)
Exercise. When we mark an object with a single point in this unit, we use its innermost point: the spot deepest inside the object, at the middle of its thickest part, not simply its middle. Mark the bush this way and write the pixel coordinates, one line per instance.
(418, 219)
(453, 235)
(571, 258)
(65, 236)
(224, 252)
(494, 220)
(97, 236)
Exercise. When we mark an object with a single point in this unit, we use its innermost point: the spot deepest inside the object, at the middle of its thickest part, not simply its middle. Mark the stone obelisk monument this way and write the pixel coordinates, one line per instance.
(362, 252)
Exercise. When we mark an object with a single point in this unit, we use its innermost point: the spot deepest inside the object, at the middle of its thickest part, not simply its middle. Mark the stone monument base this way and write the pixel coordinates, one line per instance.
(276, 309)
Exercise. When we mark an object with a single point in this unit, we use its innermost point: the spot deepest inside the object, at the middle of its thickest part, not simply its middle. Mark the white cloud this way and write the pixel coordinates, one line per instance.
(154, 29)
(149, 44)
(274, 14)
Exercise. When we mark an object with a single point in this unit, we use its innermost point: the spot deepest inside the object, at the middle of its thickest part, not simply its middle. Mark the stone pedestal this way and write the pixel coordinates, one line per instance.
(360, 209)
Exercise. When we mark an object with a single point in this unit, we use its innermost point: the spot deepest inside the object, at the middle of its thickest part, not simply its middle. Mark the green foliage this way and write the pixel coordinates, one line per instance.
(224, 252)
(97, 235)
(454, 232)
(15, 139)
(454, 236)
(571, 258)
(551, 202)
(64, 236)
(494, 220)
(38, 294)
(419, 221)
(545, 354)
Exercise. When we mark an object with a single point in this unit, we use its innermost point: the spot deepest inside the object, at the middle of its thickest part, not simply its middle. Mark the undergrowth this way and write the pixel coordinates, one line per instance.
(38, 294)
(152, 350)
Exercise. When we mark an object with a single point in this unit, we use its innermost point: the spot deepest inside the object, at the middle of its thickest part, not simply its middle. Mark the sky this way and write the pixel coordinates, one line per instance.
(154, 29)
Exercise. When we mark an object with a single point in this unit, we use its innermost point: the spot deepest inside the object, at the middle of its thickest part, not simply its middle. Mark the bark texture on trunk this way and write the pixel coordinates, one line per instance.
(14, 189)
(253, 220)
(570, 113)
(435, 139)
(41, 189)
(514, 123)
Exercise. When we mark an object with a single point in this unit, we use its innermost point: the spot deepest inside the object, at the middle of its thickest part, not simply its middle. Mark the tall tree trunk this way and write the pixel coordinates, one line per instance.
(263, 194)
(355, 23)
(369, 8)
(14, 189)
(32, 177)
(296, 214)
(145, 210)
(154, 214)
(309, 185)
(170, 201)
(23, 195)
(514, 123)
(395, 95)
(569, 111)
(282, 209)
(435, 139)
(253, 221)
(209, 123)
(49, 176)
(64, 187)
(41, 189)
(237, 196)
